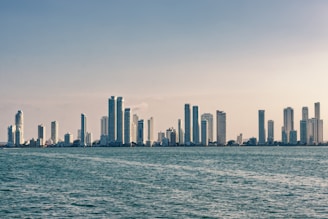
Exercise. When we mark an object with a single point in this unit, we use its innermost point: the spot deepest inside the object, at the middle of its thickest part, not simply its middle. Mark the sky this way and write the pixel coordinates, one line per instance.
(61, 58)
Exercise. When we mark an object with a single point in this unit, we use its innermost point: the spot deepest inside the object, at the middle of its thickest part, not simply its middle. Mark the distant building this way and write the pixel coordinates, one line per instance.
(195, 125)
(127, 126)
(41, 135)
(270, 132)
(261, 127)
(187, 124)
(180, 133)
(19, 123)
(134, 128)
(240, 139)
(89, 139)
(150, 130)
(288, 124)
(220, 127)
(104, 126)
(112, 120)
(54, 132)
(83, 130)
(161, 136)
(11, 136)
(204, 131)
(68, 139)
(293, 137)
(209, 118)
(140, 140)
(120, 120)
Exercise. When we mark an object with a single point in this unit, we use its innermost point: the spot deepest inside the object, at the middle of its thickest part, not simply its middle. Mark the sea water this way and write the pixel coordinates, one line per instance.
(183, 182)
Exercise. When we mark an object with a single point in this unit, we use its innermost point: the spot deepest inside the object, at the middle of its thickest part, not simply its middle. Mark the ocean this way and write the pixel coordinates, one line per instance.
(164, 182)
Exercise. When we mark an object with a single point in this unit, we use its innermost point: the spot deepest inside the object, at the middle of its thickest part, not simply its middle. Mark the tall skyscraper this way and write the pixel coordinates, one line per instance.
(270, 132)
(261, 127)
(221, 127)
(209, 118)
(89, 139)
(180, 133)
(41, 135)
(304, 132)
(104, 126)
(319, 134)
(19, 123)
(150, 130)
(204, 133)
(54, 132)
(187, 124)
(83, 130)
(127, 126)
(140, 140)
(134, 128)
(112, 120)
(195, 125)
(120, 115)
(288, 124)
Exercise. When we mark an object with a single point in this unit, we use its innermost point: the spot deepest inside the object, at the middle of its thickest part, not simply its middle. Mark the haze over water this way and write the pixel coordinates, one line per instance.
(229, 182)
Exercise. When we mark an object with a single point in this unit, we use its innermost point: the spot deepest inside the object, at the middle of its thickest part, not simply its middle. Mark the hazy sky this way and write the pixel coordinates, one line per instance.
(61, 58)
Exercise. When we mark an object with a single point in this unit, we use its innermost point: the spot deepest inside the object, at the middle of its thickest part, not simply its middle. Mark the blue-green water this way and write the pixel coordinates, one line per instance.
(237, 182)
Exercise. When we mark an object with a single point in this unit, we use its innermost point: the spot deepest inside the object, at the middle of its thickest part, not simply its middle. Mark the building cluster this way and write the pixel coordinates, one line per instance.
(120, 128)
(311, 129)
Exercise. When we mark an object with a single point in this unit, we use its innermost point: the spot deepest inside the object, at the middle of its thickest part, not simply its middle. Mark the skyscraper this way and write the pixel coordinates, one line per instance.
(112, 120)
(288, 123)
(180, 133)
(19, 123)
(317, 110)
(305, 113)
(68, 139)
(127, 126)
(54, 132)
(140, 140)
(270, 132)
(204, 133)
(89, 139)
(83, 130)
(319, 134)
(41, 135)
(150, 130)
(187, 124)
(11, 136)
(209, 118)
(304, 132)
(134, 128)
(120, 115)
(220, 127)
(195, 125)
(261, 127)
(104, 126)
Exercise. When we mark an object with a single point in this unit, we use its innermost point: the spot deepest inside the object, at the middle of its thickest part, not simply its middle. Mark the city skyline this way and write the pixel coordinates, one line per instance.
(62, 58)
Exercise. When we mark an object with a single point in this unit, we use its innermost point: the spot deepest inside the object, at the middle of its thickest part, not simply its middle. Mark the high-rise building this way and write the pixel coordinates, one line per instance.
(112, 120)
(134, 128)
(54, 132)
(41, 135)
(221, 127)
(180, 133)
(240, 139)
(304, 132)
(68, 139)
(161, 136)
(120, 120)
(171, 136)
(19, 123)
(209, 118)
(270, 132)
(83, 130)
(11, 136)
(195, 125)
(288, 124)
(150, 130)
(204, 133)
(127, 126)
(89, 139)
(261, 127)
(104, 126)
(319, 134)
(187, 124)
(140, 140)
(293, 137)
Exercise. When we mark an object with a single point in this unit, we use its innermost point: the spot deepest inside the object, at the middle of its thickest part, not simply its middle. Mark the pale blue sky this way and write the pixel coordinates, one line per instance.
(61, 58)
